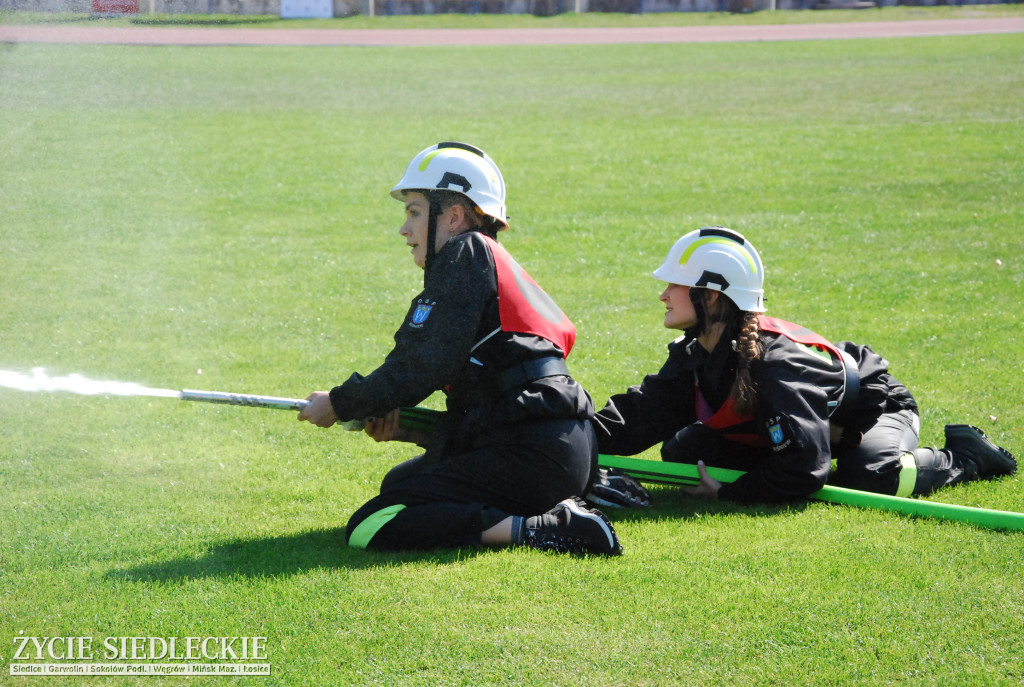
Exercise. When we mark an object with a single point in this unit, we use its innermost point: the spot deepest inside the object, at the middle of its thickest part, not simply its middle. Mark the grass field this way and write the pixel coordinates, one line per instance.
(218, 218)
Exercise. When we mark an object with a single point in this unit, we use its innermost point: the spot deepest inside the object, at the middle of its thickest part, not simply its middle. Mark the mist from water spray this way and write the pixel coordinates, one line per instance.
(38, 380)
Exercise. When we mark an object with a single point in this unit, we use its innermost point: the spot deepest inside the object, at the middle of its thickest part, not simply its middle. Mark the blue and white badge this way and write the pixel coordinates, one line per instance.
(777, 433)
(421, 313)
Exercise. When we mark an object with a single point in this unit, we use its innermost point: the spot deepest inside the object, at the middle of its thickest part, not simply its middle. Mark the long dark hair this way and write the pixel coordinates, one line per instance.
(742, 329)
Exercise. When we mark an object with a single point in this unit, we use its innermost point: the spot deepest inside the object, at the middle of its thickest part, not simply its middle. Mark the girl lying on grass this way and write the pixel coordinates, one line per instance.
(748, 392)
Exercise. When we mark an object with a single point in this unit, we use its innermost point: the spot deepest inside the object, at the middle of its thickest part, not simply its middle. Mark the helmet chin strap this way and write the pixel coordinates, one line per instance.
(432, 215)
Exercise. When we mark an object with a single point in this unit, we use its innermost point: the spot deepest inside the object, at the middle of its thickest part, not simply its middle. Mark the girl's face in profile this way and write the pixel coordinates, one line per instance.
(417, 220)
(679, 312)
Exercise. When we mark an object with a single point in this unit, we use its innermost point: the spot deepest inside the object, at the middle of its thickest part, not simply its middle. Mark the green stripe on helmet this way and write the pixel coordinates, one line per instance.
(427, 158)
(460, 149)
(685, 257)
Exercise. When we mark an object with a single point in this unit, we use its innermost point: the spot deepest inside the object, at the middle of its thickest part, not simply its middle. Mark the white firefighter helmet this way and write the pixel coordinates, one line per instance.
(720, 259)
(459, 167)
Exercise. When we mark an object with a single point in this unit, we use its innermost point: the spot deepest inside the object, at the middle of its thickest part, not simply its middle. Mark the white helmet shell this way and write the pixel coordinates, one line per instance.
(719, 259)
(459, 167)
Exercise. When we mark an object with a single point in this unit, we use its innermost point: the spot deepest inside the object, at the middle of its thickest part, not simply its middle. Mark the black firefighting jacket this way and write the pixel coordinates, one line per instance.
(795, 385)
(438, 347)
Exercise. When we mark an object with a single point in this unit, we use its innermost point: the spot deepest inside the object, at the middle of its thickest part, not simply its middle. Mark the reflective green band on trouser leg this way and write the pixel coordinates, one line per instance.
(908, 475)
(364, 531)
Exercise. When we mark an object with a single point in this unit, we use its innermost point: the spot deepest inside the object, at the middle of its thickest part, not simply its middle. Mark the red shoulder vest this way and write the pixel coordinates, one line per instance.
(797, 333)
(524, 307)
(726, 418)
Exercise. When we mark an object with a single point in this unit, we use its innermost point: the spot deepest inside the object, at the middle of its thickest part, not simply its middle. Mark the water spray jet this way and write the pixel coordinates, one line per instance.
(38, 380)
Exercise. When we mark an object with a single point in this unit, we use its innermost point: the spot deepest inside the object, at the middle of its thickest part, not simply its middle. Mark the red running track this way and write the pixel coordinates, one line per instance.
(148, 35)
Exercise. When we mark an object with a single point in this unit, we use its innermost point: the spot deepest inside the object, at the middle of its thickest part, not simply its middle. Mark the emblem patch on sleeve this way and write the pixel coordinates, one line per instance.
(421, 313)
(777, 433)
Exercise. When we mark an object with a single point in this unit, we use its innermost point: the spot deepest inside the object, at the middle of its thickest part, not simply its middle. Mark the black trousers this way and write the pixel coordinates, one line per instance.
(886, 461)
(524, 469)
(875, 464)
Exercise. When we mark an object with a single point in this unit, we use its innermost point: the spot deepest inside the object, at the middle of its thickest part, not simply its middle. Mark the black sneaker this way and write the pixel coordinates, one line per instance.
(615, 489)
(571, 527)
(969, 442)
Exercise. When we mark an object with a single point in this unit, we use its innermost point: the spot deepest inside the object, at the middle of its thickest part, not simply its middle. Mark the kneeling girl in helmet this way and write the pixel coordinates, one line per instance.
(515, 445)
(748, 392)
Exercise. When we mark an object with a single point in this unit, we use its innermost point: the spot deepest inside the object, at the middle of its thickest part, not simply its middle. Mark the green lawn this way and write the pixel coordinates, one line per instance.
(218, 218)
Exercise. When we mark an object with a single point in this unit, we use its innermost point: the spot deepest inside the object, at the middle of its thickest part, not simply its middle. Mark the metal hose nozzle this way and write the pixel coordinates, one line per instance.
(250, 400)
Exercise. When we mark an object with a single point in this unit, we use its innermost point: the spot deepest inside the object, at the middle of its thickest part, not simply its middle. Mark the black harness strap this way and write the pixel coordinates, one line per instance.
(531, 370)
(851, 390)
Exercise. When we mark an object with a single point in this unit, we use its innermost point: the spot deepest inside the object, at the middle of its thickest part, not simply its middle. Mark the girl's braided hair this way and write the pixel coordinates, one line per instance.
(741, 326)
(748, 348)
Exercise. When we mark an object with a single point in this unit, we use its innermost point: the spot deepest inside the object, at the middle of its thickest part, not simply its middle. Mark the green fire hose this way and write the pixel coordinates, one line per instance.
(682, 474)
(685, 474)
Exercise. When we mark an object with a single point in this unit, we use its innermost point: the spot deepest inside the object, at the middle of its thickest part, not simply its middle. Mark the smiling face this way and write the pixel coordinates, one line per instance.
(679, 312)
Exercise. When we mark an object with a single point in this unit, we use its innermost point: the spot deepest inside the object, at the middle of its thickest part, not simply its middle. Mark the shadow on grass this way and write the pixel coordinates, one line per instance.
(671, 502)
(326, 549)
(275, 557)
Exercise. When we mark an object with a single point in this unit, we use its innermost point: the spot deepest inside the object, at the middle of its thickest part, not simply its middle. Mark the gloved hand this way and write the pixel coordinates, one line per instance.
(615, 489)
